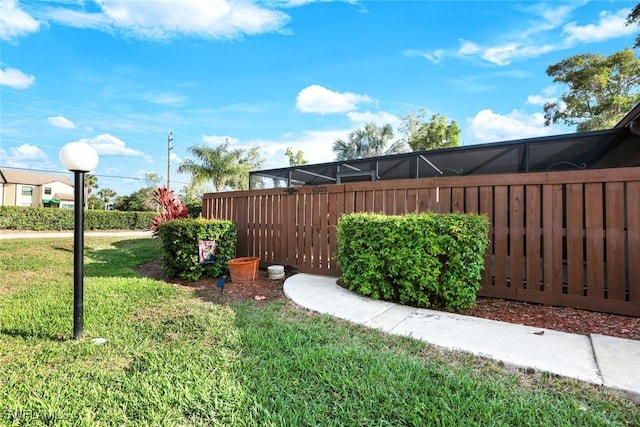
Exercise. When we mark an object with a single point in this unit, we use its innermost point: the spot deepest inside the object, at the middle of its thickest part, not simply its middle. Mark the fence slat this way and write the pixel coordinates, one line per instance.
(290, 231)
(443, 195)
(486, 207)
(411, 203)
(501, 236)
(389, 201)
(633, 240)
(310, 229)
(575, 235)
(369, 200)
(425, 200)
(457, 199)
(471, 199)
(532, 224)
(553, 231)
(616, 283)
(336, 208)
(594, 223)
(264, 227)
(516, 236)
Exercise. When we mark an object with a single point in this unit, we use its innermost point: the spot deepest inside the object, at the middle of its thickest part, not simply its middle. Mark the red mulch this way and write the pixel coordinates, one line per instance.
(561, 319)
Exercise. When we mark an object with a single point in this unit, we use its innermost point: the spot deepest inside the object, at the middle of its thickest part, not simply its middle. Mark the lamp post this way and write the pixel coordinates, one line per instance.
(79, 158)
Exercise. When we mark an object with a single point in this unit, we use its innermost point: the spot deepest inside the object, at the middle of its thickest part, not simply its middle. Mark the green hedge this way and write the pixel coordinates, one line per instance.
(180, 239)
(50, 219)
(425, 260)
(194, 211)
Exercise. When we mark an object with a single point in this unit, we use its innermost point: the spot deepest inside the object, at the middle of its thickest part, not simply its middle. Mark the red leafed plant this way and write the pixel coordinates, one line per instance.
(171, 206)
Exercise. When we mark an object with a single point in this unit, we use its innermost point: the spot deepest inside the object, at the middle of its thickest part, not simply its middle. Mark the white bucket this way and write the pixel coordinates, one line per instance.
(275, 272)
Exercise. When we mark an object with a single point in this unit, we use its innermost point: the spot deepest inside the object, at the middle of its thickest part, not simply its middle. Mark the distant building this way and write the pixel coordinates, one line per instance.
(22, 188)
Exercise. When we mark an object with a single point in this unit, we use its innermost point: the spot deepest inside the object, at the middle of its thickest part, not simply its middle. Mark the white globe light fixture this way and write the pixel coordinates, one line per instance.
(79, 158)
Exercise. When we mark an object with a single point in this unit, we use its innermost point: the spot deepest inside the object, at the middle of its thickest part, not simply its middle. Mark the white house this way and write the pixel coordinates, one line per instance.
(22, 188)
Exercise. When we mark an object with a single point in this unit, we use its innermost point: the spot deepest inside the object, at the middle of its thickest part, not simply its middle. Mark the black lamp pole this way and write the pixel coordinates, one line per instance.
(78, 255)
(79, 158)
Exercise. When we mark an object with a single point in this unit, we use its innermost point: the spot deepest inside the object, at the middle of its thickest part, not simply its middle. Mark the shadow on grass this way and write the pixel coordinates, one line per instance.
(30, 335)
(121, 258)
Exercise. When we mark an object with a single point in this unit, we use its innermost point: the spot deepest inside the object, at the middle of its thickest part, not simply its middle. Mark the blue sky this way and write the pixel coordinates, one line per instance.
(122, 74)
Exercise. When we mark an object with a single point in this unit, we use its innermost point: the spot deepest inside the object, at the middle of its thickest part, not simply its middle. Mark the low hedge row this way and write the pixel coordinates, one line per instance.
(50, 219)
(424, 260)
(180, 243)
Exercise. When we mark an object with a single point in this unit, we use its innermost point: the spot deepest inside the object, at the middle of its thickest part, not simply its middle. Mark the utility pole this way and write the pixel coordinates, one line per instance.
(169, 148)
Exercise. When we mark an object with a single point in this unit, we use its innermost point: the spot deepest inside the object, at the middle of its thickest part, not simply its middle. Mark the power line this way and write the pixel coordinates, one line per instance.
(169, 148)
(70, 173)
(135, 124)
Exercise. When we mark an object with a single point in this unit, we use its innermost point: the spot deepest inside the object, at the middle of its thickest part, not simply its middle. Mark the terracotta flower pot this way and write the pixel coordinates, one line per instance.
(243, 269)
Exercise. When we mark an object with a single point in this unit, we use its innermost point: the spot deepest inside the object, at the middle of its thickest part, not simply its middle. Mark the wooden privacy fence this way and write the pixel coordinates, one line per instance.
(567, 238)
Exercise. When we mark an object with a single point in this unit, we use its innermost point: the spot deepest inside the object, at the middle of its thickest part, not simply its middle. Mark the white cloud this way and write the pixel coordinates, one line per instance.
(25, 156)
(164, 98)
(610, 25)
(15, 79)
(161, 20)
(61, 122)
(505, 54)
(175, 158)
(435, 56)
(468, 48)
(547, 95)
(539, 100)
(487, 126)
(114, 170)
(315, 145)
(215, 140)
(553, 16)
(550, 36)
(28, 152)
(14, 22)
(109, 145)
(318, 99)
(379, 118)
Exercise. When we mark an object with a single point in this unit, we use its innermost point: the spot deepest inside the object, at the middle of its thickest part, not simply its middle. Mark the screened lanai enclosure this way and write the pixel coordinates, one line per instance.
(564, 212)
(589, 150)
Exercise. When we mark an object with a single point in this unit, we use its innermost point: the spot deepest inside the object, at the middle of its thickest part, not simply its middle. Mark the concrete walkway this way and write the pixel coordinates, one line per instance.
(611, 362)
(16, 234)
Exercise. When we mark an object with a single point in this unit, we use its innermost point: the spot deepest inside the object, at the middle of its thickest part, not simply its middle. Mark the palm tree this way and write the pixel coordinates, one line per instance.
(369, 141)
(212, 164)
(90, 181)
(106, 194)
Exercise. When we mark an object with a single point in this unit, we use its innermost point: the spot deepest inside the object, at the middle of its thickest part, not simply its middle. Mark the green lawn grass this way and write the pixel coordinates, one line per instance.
(172, 359)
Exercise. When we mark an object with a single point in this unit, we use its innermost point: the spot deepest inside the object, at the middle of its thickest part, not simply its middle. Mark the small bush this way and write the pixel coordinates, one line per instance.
(180, 239)
(425, 260)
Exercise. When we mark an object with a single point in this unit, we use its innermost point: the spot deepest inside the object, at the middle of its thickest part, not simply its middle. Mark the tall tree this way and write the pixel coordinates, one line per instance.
(430, 134)
(295, 159)
(106, 194)
(90, 182)
(217, 164)
(368, 141)
(221, 165)
(94, 202)
(601, 89)
(152, 179)
(248, 162)
(634, 18)
(141, 200)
